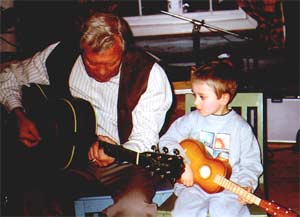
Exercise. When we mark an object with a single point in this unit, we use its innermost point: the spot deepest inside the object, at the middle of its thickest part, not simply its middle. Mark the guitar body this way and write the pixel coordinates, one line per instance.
(66, 125)
(204, 166)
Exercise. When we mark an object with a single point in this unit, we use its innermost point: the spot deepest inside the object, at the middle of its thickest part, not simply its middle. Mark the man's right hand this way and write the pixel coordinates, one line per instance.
(28, 133)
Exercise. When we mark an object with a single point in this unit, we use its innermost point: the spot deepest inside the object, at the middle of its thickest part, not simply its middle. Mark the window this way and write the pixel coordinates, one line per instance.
(146, 19)
(146, 7)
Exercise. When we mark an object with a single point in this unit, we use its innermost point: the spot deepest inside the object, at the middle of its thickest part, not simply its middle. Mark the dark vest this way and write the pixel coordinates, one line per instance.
(136, 67)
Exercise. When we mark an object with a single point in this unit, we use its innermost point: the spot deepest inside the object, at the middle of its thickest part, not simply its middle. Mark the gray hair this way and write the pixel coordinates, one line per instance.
(99, 30)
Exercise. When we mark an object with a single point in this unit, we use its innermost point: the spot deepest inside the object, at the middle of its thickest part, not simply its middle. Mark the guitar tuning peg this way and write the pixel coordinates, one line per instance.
(165, 150)
(176, 151)
(173, 180)
(154, 148)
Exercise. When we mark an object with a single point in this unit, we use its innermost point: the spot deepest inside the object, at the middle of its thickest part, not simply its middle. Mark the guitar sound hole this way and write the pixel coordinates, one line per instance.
(205, 171)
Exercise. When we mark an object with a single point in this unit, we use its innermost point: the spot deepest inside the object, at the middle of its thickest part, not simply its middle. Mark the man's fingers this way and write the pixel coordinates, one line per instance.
(93, 149)
(90, 155)
(34, 132)
(106, 139)
(29, 137)
(97, 156)
(29, 140)
(29, 143)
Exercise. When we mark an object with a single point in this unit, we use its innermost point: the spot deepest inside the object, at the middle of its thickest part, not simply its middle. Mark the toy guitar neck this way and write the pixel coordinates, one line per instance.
(270, 207)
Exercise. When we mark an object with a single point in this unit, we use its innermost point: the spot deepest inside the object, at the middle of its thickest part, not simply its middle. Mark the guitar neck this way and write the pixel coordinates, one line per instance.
(233, 187)
(120, 153)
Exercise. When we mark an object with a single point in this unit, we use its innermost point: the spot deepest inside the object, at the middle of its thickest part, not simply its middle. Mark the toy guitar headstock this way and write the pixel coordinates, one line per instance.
(275, 209)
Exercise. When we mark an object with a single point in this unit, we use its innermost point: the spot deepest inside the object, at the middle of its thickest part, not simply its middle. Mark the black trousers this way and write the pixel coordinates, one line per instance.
(131, 187)
(31, 187)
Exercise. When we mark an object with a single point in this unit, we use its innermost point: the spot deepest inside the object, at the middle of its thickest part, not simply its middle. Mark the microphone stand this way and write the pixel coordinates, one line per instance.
(197, 24)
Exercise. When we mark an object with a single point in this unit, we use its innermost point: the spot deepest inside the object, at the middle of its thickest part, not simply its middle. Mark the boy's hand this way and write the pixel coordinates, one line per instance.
(187, 177)
(244, 200)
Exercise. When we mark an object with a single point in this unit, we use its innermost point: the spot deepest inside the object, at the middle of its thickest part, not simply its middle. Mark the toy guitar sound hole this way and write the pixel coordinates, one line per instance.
(204, 171)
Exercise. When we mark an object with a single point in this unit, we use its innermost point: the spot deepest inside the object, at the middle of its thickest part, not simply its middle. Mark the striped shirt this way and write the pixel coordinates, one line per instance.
(148, 116)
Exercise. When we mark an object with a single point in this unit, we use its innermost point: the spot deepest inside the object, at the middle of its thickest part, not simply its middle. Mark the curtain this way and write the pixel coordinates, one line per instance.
(270, 17)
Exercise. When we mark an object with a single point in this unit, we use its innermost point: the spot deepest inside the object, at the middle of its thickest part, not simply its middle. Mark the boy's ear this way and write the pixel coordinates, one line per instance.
(225, 98)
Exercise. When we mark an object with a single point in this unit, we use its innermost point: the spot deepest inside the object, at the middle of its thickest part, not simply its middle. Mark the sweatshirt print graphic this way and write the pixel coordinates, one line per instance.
(217, 144)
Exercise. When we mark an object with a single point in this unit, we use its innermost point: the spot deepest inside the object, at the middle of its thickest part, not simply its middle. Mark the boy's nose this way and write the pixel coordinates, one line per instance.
(197, 101)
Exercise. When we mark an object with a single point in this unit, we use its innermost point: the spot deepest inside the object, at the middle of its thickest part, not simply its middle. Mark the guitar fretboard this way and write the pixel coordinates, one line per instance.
(121, 153)
(235, 188)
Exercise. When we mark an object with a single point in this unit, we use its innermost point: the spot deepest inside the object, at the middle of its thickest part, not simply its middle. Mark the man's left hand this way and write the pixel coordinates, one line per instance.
(97, 155)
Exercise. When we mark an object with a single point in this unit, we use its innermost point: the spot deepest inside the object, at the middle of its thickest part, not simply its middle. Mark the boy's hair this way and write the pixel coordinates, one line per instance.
(220, 75)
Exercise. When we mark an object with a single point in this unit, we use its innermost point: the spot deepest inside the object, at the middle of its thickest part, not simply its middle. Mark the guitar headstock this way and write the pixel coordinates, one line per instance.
(165, 165)
(162, 164)
(275, 209)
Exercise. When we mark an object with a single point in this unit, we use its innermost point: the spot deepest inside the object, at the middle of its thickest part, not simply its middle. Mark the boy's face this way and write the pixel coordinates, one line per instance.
(102, 66)
(206, 100)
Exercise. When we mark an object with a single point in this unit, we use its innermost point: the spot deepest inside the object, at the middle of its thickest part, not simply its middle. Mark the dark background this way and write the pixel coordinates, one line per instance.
(40, 23)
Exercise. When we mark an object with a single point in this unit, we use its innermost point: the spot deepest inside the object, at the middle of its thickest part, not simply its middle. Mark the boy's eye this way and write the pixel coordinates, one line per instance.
(202, 97)
(197, 95)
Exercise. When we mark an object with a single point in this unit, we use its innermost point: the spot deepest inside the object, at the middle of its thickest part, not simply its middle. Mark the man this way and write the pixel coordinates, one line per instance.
(129, 93)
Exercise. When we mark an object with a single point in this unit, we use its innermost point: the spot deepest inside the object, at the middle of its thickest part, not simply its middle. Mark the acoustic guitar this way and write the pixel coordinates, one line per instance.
(212, 175)
(67, 127)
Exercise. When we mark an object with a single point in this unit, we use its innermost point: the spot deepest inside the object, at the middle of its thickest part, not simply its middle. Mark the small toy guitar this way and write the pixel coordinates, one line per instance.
(213, 176)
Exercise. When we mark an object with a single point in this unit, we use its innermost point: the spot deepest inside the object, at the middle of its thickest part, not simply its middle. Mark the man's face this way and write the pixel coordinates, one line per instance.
(102, 66)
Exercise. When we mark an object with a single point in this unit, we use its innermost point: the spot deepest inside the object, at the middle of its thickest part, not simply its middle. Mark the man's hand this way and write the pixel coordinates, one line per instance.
(187, 177)
(28, 133)
(244, 200)
(97, 155)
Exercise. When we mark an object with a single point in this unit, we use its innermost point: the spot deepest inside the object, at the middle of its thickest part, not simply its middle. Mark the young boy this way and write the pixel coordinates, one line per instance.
(224, 133)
